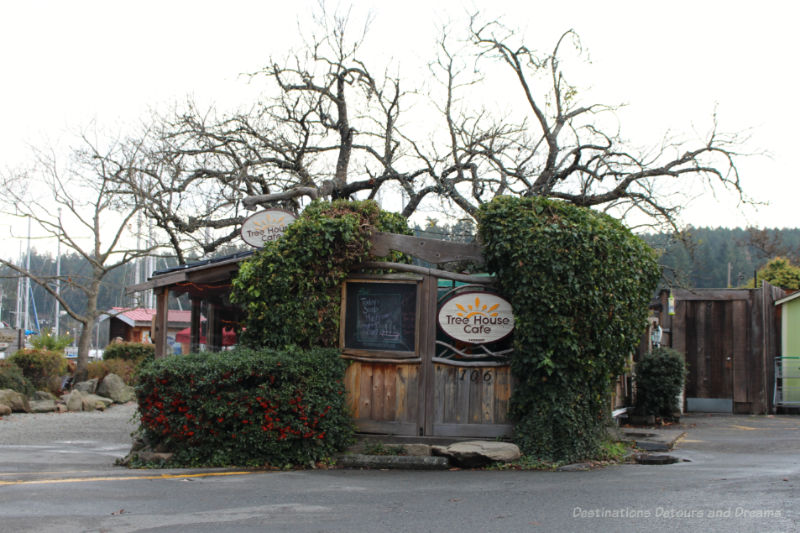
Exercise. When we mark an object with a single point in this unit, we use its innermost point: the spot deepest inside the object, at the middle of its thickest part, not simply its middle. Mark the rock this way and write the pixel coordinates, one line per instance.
(41, 395)
(43, 406)
(75, 401)
(87, 386)
(477, 453)
(113, 387)
(417, 450)
(152, 457)
(95, 399)
(61, 408)
(16, 401)
(4, 410)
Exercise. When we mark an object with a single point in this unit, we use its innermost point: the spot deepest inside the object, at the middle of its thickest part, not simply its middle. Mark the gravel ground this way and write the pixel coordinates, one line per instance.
(112, 426)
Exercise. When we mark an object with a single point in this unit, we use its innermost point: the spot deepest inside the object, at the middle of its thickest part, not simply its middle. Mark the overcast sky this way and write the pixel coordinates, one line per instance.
(67, 63)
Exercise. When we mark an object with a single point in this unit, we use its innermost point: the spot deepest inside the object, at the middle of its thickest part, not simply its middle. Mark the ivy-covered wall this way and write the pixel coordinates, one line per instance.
(579, 283)
(290, 290)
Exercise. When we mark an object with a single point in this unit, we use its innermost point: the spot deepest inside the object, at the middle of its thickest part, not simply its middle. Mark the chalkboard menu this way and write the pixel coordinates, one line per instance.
(380, 316)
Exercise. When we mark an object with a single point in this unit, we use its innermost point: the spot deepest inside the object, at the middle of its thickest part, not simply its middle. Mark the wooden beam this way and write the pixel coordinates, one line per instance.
(444, 274)
(712, 294)
(431, 250)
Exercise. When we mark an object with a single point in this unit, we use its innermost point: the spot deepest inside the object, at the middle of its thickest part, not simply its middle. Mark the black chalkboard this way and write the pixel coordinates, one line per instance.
(380, 316)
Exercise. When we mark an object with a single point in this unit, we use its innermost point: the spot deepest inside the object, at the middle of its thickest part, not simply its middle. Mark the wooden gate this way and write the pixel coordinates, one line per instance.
(729, 338)
(405, 377)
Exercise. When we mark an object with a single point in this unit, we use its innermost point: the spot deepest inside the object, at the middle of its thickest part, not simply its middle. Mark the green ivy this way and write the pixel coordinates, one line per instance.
(579, 283)
(290, 290)
(245, 407)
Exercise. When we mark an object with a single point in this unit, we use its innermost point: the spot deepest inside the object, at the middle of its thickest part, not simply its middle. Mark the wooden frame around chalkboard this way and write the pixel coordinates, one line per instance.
(383, 356)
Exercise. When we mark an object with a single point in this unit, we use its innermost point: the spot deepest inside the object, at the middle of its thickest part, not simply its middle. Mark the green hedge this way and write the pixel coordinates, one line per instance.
(659, 380)
(579, 283)
(245, 407)
(129, 351)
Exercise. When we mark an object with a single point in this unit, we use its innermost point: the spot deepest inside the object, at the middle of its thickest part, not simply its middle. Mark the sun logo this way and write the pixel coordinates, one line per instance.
(471, 311)
(267, 223)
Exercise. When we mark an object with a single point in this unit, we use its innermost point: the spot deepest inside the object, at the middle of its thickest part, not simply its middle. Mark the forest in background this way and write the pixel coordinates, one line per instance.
(697, 257)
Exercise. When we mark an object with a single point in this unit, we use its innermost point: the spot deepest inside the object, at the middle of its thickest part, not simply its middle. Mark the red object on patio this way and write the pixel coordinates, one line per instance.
(184, 336)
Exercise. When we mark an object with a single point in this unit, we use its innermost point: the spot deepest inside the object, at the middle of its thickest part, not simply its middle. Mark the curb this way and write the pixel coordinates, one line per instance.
(393, 462)
(653, 440)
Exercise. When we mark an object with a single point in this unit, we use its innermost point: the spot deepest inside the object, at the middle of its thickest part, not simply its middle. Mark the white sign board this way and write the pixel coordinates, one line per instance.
(476, 317)
(265, 226)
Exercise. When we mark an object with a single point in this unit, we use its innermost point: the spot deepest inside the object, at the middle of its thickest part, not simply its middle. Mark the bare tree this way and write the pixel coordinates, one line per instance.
(559, 149)
(76, 205)
(768, 244)
(329, 126)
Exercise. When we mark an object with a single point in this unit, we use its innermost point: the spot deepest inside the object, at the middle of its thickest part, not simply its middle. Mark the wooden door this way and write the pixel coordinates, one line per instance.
(715, 341)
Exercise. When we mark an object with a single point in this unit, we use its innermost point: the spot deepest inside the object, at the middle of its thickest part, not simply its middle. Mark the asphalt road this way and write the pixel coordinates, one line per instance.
(740, 473)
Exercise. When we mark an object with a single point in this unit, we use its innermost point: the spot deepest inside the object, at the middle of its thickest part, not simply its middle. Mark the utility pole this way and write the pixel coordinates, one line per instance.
(58, 276)
(18, 313)
(28, 279)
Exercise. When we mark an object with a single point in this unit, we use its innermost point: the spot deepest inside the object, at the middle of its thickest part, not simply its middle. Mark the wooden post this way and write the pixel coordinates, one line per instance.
(162, 319)
(213, 328)
(194, 326)
(428, 350)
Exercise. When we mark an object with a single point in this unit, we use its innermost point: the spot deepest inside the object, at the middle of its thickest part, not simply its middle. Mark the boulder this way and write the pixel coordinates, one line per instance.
(113, 387)
(93, 402)
(40, 395)
(4, 410)
(74, 401)
(478, 453)
(16, 401)
(87, 386)
(43, 406)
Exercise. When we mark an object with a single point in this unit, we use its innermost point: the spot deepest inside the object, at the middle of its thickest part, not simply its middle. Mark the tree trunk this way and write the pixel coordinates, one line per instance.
(84, 342)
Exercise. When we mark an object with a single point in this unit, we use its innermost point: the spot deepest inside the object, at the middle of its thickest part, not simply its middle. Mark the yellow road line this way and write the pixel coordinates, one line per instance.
(62, 472)
(121, 478)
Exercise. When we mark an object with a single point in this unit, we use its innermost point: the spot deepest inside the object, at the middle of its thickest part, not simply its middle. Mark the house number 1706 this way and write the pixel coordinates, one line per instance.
(476, 376)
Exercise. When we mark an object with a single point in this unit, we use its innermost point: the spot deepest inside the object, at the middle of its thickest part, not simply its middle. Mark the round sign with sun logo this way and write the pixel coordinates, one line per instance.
(476, 317)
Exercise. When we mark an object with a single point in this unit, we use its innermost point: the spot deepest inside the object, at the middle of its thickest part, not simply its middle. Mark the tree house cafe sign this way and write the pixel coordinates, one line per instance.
(476, 317)
(265, 226)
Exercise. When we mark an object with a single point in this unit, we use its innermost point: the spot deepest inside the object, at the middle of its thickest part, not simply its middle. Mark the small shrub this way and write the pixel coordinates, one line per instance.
(122, 368)
(659, 380)
(47, 341)
(129, 351)
(42, 367)
(11, 377)
(245, 407)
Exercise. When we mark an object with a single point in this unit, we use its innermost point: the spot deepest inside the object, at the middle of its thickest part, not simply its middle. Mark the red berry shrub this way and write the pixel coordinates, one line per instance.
(246, 407)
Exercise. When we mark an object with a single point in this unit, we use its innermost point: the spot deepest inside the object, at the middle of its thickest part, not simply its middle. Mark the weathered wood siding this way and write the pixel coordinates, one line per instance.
(471, 400)
(383, 397)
